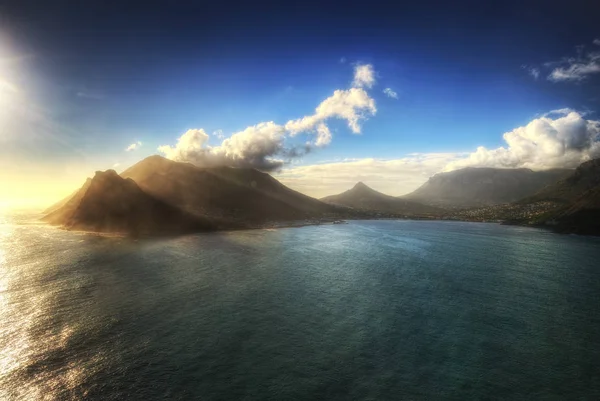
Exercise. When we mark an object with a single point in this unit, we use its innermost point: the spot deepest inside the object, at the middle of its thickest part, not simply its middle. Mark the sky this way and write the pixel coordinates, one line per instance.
(319, 94)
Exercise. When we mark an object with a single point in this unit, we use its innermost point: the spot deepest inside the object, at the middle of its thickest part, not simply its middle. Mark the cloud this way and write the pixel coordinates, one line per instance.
(533, 71)
(323, 135)
(264, 145)
(352, 105)
(133, 146)
(116, 165)
(393, 177)
(575, 68)
(390, 93)
(364, 76)
(561, 142)
(343, 60)
(256, 146)
(597, 42)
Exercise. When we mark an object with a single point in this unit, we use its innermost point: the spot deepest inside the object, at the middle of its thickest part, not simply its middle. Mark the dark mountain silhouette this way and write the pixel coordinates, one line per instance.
(240, 194)
(112, 204)
(476, 187)
(582, 216)
(364, 198)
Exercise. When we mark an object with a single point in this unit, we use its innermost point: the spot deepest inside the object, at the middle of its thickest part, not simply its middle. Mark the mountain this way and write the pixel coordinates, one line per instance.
(477, 187)
(585, 178)
(582, 216)
(240, 194)
(110, 203)
(364, 198)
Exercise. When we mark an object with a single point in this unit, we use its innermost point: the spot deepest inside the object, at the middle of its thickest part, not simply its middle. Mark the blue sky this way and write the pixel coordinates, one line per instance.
(89, 80)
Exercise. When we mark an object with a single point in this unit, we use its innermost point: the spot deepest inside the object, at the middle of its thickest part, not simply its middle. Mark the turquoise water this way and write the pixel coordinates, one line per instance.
(372, 310)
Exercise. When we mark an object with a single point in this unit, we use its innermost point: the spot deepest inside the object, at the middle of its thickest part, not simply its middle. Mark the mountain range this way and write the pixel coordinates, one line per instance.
(161, 196)
(361, 197)
(476, 187)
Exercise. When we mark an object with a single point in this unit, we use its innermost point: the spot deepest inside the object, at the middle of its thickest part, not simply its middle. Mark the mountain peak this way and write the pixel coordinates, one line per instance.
(361, 185)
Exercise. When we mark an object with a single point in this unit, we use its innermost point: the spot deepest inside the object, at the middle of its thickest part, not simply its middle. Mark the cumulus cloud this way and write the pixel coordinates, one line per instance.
(133, 146)
(263, 146)
(393, 177)
(364, 76)
(256, 146)
(561, 142)
(323, 135)
(390, 93)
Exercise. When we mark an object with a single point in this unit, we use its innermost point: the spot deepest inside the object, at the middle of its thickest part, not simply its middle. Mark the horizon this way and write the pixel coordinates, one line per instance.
(391, 108)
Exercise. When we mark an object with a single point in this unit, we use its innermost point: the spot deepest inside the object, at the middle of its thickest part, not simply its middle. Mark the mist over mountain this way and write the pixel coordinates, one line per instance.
(365, 198)
(476, 187)
(109, 203)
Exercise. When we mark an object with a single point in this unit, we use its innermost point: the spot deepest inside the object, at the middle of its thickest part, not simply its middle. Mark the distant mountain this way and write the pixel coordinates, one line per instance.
(364, 198)
(112, 204)
(240, 194)
(572, 186)
(477, 187)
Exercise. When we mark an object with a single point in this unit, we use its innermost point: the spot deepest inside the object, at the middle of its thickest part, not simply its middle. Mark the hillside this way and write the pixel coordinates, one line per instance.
(477, 187)
(584, 178)
(109, 203)
(364, 198)
(233, 193)
(582, 216)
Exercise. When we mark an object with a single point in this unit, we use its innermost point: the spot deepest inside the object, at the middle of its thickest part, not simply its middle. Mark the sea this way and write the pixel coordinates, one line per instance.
(369, 310)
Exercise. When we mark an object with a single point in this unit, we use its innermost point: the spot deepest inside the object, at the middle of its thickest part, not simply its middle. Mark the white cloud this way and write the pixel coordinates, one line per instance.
(390, 93)
(563, 142)
(352, 105)
(256, 146)
(393, 177)
(343, 60)
(263, 145)
(323, 135)
(575, 68)
(116, 165)
(133, 146)
(364, 76)
(597, 42)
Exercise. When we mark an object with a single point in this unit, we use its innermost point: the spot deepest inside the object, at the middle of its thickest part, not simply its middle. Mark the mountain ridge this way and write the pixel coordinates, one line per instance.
(363, 197)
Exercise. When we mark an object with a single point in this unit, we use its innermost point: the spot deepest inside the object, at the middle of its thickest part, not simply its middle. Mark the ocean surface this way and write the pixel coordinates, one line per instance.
(370, 310)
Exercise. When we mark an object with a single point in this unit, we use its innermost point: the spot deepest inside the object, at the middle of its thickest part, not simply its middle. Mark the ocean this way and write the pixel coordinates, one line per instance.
(369, 310)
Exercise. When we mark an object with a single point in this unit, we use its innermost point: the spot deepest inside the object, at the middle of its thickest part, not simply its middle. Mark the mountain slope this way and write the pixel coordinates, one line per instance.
(584, 178)
(476, 187)
(582, 216)
(225, 192)
(110, 203)
(365, 198)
